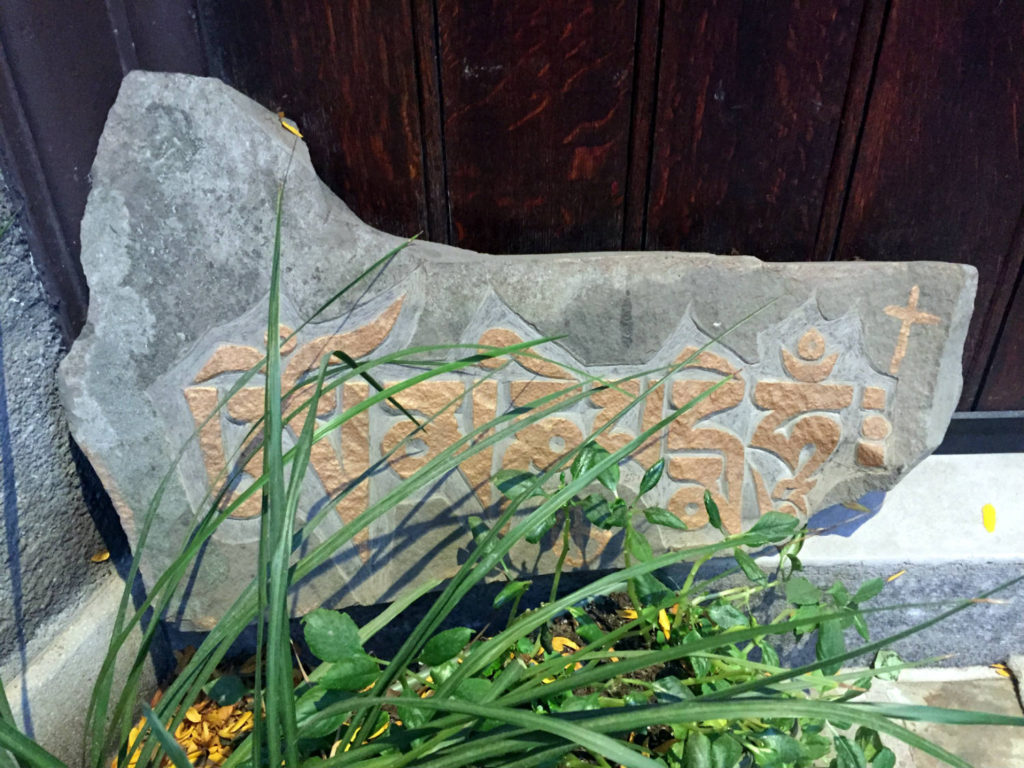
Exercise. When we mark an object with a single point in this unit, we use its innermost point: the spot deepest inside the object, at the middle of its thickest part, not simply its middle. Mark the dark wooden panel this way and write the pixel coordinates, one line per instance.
(60, 75)
(1003, 386)
(537, 107)
(165, 35)
(940, 174)
(345, 70)
(749, 104)
(858, 94)
(428, 68)
(641, 137)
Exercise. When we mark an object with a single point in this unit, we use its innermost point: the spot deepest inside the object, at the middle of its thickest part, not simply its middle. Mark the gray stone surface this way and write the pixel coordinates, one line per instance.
(845, 379)
(46, 533)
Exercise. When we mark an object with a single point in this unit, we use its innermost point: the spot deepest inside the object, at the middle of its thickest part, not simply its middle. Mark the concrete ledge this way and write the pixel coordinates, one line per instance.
(50, 697)
(930, 528)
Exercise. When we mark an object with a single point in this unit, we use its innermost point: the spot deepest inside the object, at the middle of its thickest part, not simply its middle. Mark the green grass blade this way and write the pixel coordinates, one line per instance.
(24, 749)
(171, 747)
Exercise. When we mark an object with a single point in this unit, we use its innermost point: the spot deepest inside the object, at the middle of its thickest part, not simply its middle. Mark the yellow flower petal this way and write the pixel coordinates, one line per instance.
(664, 623)
(896, 575)
(192, 715)
(988, 517)
(626, 613)
(559, 644)
(101, 557)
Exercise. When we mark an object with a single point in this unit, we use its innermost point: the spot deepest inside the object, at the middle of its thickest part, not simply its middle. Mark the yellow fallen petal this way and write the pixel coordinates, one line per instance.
(101, 557)
(192, 715)
(559, 644)
(379, 731)
(988, 517)
(626, 613)
(896, 575)
(289, 125)
(1001, 669)
(664, 623)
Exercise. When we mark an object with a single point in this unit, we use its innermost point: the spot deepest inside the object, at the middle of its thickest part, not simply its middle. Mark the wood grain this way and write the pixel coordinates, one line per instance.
(345, 71)
(940, 173)
(536, 112)
(1003, 386)
(749, 105)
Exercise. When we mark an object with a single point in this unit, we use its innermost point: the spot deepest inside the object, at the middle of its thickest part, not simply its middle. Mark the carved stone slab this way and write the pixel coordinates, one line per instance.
(841, 385)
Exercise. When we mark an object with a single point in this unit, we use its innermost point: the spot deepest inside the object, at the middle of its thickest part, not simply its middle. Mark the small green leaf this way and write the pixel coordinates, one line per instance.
(786, 749)
(226, 689)
(884, 759)
(513, 483)
(605, 514)
(725, 752)
(445, 645)
(800, 591)
(830, 644)
(350, 674)
(849, 754)
(474, 689)
(589, 456)
(749, 567)
(651, 477)
(861, 626)
(768, 654)
(774, 526)
(535, 532)
(839, 594)
(670, 690)
(887, 658)
(586, 627)
(330, 635)
(712, 509)
(638, 546)
(510, 592)
(726, 616)
(698, 751)
(868, 590)
(869, 741)
(659, 516)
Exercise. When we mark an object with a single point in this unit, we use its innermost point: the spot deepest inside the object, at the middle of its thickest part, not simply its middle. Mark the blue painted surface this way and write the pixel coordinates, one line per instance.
(843, 520)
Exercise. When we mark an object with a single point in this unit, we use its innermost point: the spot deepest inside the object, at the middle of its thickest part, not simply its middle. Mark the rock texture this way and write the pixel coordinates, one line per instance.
(843, 381)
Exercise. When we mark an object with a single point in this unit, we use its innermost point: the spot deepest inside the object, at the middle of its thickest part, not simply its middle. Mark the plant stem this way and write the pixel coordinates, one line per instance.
(561, 560)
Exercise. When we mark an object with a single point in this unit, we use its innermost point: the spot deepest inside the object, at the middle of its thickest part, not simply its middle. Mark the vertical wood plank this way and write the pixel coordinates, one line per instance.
(749, 103)
(345, 70)
(537, 108)
(165, 34)
(435, 185)
(851, 125)
(645, 88)
(1002, 387)
(940, 173)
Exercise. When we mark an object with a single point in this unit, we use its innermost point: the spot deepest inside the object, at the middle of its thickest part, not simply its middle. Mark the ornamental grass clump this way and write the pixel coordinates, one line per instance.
(627, 670)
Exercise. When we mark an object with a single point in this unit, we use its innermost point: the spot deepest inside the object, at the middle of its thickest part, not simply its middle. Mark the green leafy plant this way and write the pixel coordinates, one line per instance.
(664, 676)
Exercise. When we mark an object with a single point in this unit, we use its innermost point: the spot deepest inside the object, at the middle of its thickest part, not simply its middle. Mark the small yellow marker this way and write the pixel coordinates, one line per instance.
(988, 517)
(289, 125)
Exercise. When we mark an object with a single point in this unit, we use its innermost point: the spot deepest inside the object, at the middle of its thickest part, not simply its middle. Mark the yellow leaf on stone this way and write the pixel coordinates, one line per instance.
(289, 125)
(988, 517)
(101, 557)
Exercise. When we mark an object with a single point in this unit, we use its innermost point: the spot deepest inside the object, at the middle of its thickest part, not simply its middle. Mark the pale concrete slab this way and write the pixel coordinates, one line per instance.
(972, 688)
(62, 669)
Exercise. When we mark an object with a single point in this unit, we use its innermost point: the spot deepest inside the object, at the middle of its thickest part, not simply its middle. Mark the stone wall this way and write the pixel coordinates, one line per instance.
(47, 510)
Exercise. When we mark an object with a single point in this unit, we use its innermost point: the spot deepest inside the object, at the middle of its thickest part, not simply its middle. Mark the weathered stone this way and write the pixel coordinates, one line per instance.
(843, 382)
